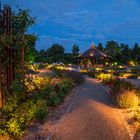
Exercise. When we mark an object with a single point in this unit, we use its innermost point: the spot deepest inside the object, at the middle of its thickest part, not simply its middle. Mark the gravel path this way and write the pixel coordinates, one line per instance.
(136, 82)
(91, 117)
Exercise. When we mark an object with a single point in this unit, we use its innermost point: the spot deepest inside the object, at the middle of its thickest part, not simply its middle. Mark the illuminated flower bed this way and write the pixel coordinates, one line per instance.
(40, 94)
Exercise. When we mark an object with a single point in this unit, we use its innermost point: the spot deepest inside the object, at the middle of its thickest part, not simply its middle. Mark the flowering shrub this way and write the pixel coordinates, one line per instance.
(15, 120)
(36, 83)
(103, 76)
(137, 115)
(106, 78)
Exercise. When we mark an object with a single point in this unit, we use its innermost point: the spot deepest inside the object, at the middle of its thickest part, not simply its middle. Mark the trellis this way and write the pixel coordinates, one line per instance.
(6, 71)
(14, 43)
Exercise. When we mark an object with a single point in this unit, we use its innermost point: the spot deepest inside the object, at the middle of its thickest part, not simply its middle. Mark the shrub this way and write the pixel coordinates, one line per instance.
(136, 71)
(53, 99)
(103, 76)
(3, 130)
(128, 99)
(120, 85)
(39, 110)
(106, 78)
(77, 77)
(14, 121)
(65, 85)
(137, 116)
(11, 105)
(36, 83)
(16, 126)
(17, 113)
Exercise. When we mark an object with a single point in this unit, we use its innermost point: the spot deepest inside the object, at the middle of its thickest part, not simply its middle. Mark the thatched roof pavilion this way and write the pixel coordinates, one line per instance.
(94, 57)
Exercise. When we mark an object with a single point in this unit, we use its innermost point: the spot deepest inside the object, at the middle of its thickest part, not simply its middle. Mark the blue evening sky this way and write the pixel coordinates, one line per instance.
(82, 22)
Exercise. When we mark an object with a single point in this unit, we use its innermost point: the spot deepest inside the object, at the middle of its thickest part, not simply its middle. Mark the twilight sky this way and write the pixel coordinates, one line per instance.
(83, 21)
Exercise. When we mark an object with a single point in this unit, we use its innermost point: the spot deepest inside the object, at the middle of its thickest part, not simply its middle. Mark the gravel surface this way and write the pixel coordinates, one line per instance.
(91, 116)
(136, 82)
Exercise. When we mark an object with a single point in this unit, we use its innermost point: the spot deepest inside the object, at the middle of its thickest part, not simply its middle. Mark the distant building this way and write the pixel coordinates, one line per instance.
(94, 58)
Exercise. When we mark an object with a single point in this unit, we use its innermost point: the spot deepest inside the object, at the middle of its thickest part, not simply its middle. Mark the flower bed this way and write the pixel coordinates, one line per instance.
(40, 94)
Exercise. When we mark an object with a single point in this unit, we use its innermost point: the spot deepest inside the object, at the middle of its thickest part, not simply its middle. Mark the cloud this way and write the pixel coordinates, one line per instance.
(83, 21)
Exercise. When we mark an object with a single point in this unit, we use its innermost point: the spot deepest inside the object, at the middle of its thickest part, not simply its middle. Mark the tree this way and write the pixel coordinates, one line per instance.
(75, 53)
(41, 56)
(113, 49)
(136, 53)
(21, 41)
(30, 50)
(55, 53)
(100, 47)
(75, 50)
(125, 53)
(68, 57)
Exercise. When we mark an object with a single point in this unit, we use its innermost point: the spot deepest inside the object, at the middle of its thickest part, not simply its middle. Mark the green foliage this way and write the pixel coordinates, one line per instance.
(15, 126)
(41, 56)
(128, 99)
(65, 85)
(42, 92)
(75, 50)
(53, 99)
(11, 104)
(36, 84)
(22, 21)
(100, 47)
(112, 48)
(40, 110)
(75, 53)
(55, 53)
(69, 59)
(119, 85)
(16, 118)
(62, 88)
(103, 76)
(136, 71)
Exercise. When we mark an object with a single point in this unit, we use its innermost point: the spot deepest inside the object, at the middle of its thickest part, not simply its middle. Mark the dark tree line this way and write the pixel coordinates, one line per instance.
(56, 53)
(120, 53)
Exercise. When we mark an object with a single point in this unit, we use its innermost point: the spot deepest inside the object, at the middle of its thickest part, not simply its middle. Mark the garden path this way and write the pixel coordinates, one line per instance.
(91, 116)
(136, 82)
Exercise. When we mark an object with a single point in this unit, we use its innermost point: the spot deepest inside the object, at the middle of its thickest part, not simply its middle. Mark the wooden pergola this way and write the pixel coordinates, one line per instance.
(93, 58)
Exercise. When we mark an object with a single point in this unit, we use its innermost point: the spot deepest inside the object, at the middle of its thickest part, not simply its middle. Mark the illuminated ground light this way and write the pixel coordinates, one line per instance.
(98, 69)
(115, 63)
(132, 63)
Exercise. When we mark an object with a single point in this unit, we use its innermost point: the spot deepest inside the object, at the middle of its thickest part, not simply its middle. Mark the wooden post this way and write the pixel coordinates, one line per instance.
(1, 94)
(7, 32)
(23, 70)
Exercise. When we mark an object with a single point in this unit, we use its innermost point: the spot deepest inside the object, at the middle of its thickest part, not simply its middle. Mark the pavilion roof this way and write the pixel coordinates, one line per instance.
(94, 52)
